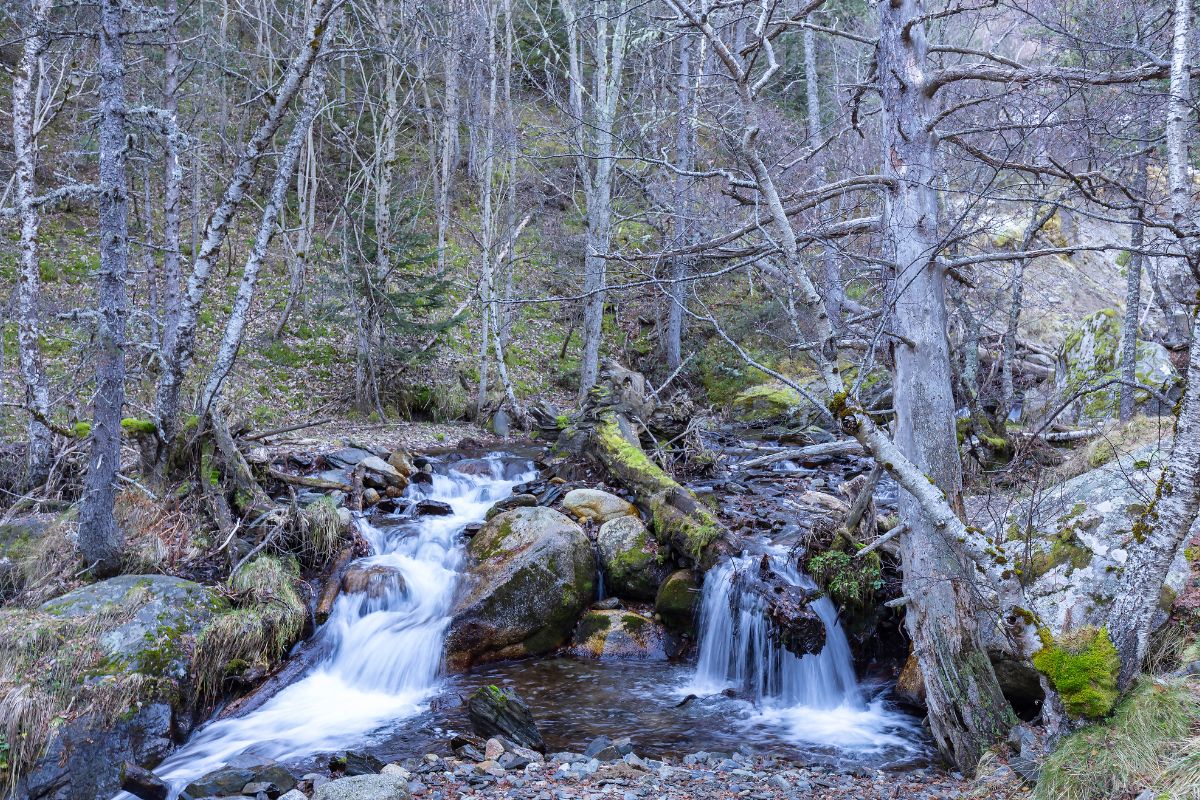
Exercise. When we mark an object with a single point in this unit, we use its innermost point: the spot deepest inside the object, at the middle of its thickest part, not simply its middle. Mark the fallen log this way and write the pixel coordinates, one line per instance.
(332, 585)
(841, 447)
(310, 482)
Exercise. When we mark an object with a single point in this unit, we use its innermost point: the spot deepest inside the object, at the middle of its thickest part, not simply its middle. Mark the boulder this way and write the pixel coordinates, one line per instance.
(379, 474)
(433, 508)
(768, 402)
(596, 505)
(496, 712)
(632, 562)
(1091, 354)
(373, 580)
(364, 787)
(619, 634)
(509, 503)
(531, 571)
(1069, 546)
(346, 458)
(142, 783)
(242, 770)
(401, 462)
(676, 601)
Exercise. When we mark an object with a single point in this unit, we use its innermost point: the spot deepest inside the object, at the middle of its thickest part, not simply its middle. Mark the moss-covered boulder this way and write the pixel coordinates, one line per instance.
(767, 401)
(619, 634)
(632, 562)
(596, 505)
(96, 677)
(531, 571)
(676, 601)
(1091, 355)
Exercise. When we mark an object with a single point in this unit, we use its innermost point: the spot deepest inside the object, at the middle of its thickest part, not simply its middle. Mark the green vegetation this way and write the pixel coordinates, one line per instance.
(849, 581)
(1152, 741)
(1082, 665)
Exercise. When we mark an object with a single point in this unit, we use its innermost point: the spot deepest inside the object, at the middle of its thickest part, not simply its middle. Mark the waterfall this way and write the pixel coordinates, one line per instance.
(380, 657)
(816, 698)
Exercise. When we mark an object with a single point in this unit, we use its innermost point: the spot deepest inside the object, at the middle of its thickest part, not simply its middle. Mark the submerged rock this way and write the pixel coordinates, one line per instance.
(374, 580)
(619, 635)
(596, 505)
(630, 557)
(531, 572)
(496, 712)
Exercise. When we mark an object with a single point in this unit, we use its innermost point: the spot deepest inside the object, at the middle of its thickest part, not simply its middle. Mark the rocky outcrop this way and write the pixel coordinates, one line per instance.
(113, 661)
(619, 634)
(531, 572)
(1091, 355)
(633, 564)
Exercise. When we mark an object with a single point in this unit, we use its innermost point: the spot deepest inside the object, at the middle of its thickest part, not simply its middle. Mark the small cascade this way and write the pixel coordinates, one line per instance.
(815, 697)
(380, 651)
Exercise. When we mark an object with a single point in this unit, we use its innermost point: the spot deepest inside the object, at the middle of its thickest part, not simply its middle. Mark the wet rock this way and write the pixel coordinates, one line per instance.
(380, 474)
(603, 748)
(421, 477)
(374, 580)
(472, 529)
(630, 557)
(346, 458)
(509, 503)
(619, 635)
(468, 748)
(500, 712)
(260, 789)
(676, 601)
(242, 770)
(370, 497)
(433, 508)
(401, 462)
(364, 787)
(143, 783)
(358, 763)
(596, 505)
(530, 574)
(482, 467)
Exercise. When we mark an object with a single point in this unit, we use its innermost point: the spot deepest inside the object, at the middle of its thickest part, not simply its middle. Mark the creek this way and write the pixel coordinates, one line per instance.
(376, 682)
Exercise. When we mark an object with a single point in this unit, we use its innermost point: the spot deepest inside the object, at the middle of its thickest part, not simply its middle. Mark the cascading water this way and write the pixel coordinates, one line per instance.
(816, 698)
(380, 655)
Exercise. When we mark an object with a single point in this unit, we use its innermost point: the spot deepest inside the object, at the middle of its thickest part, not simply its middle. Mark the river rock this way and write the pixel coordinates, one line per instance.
(509, 503)
(346, 458)
(676, 601)
(596, 505)
(630, 557)
(364, 787)
(531, 571)
(496, 712)
(231, 778)
(143, 783)
(619, 635)
(1090, 355)
(374, 580)
(401, 462)
(433, 508)
(379, 474)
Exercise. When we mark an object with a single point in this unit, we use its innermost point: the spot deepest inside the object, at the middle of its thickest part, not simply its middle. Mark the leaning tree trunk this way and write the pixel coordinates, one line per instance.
(967, 711)
(33, 371)
(100, 540)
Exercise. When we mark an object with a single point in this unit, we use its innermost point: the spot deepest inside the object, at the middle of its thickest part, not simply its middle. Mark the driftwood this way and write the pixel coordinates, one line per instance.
(310, 482)
(841, 447)
(256, 437)
(332, 585)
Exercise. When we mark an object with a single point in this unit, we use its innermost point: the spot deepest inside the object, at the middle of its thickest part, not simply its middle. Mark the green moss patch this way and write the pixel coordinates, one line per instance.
(1082, 665)
(849, 581)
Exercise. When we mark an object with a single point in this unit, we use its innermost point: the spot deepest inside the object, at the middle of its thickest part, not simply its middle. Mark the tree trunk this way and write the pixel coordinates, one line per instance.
(172, 185)
(967, 711)
(685, 161)
(1133, 300)
(33, 371)
(100, 540)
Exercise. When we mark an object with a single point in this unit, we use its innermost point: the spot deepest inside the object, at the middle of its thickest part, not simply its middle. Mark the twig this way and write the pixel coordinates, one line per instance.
(672, 376)
(887, 537)
(254, 437)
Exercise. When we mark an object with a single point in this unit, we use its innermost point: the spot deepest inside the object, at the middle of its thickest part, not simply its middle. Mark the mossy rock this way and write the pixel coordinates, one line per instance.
(677, 601)
(631, 560)
(1083, 666)
(619, 634)
(768, 401)
(531, 573)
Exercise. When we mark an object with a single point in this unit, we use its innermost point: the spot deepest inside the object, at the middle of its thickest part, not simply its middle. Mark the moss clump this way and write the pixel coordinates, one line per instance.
(81, 430)
(850, 582)
(138, 427)
(695, 531)
(1064, 549)
(1083, 666)
(765, 402)
(268, 618)
(592, 624)
(1149, 743)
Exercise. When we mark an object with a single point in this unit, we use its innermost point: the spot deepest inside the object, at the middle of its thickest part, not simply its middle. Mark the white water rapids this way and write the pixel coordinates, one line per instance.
(380, 658)
(815, 698)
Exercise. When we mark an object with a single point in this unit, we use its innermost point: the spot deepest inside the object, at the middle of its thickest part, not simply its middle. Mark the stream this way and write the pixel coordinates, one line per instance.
(376, 680)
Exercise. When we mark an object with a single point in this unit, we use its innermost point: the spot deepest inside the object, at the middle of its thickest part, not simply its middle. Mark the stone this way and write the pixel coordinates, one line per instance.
(677, 600)
(370, 497)
(509, 503)
(401, 462)
(234, 776)
(619, 634)
(357, 763)
(1090, 355)
(376, 581)
(346, 458)
(265, 788)
(381, 474)
(143, 783)
(294, 794)
(530, 573)
(633, 564)
(433, 508)
(364, 787)
(496, 712)
(493, 749)
(596, 505)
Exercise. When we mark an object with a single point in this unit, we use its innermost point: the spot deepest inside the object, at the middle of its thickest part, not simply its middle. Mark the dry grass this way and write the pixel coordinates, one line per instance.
(1152, 742)
(318, 532)
(157, 534)
(53, 669)
(1116, 439)
(268, 619)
